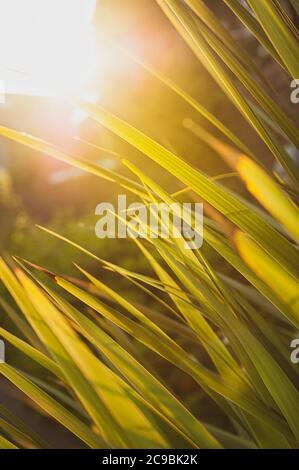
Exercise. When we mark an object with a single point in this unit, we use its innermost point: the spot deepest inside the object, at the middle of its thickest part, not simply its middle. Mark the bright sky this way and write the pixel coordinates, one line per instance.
(46, 46)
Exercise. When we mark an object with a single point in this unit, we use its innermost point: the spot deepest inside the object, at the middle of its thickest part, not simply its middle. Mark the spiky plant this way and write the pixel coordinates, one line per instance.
(98, 383)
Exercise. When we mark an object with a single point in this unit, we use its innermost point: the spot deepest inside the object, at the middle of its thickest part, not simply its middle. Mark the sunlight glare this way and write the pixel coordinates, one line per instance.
(46, 46)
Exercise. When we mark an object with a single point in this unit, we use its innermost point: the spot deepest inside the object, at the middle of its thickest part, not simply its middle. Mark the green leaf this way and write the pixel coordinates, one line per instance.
(279, 34)
(219, 197)
(52, 407)
(78, 162)
(6, 444)
(147, 385)
(192, 35)
(176, 355)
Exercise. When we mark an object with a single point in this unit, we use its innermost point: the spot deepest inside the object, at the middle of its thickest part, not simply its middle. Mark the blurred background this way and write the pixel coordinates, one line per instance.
(36, 189)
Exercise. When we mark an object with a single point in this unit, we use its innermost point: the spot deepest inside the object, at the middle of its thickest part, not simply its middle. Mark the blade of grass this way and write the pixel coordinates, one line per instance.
(52, 407)
(201, 49)
(6, 444)
(223, 200)
(176, 355)
(258, 182)
(140, 378)
(253, 25)
(64, 345)
(76, 161)
(279, 34)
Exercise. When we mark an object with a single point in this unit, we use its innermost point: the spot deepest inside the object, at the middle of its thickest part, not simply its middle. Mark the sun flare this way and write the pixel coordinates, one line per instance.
(46, 46)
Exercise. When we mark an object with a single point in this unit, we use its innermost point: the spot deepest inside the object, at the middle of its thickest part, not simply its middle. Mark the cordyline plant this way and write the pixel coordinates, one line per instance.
(99, 386)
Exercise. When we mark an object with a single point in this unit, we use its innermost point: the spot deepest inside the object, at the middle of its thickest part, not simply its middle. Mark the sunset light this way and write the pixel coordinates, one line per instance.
(149, 242)
(48, 48)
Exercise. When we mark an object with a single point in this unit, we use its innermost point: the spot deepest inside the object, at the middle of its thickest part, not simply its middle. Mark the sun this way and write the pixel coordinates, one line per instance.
(46, 46)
